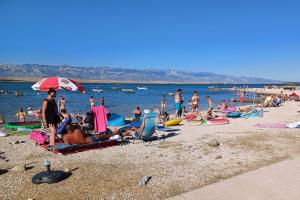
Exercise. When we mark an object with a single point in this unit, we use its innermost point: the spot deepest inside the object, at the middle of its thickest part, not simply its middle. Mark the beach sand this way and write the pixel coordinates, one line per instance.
(178, 164)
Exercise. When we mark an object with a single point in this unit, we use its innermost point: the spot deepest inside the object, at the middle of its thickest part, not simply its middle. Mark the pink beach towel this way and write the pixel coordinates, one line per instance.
(270, 126)
(100, 118)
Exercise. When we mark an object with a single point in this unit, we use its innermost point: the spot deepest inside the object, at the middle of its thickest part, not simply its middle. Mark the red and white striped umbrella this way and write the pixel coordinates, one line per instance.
(58, 83)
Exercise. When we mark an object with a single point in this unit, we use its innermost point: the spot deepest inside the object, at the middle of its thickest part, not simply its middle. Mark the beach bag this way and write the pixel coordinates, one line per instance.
(39, 137)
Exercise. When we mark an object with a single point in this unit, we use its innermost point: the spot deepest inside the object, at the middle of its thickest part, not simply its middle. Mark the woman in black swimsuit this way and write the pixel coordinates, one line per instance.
(50, 114)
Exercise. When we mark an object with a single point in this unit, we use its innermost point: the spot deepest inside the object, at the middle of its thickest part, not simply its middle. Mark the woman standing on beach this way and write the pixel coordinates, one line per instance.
(50, 114)
(195, 103)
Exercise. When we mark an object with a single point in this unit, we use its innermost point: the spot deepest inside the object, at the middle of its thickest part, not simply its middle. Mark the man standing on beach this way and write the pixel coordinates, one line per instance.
(178, 103)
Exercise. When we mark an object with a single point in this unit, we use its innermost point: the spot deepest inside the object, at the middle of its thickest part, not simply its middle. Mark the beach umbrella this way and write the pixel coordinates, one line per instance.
(58, 83)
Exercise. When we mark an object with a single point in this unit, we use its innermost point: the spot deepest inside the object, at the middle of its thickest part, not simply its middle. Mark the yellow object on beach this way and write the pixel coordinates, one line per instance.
(172, 122)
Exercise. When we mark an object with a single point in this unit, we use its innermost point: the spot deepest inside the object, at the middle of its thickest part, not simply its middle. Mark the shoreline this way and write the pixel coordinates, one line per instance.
(32, 80)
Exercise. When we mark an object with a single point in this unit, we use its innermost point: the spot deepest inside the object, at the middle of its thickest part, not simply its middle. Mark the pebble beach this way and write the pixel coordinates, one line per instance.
(190, 158)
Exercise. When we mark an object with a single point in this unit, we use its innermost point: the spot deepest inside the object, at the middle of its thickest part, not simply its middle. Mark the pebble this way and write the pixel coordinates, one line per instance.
(218, 157)
(214, 143)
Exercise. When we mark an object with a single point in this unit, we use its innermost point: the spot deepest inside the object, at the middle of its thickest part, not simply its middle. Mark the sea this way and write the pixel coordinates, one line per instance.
(115, 100)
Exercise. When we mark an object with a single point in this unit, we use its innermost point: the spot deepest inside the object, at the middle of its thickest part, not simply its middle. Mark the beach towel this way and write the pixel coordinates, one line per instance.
(61, 148)
(270, 126)
(100, 118)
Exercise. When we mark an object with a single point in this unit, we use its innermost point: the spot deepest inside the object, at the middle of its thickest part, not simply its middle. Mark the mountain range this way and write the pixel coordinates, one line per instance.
(27, 71)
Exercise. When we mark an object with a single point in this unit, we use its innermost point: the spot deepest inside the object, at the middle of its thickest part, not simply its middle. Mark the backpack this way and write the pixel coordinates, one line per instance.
(39, 137)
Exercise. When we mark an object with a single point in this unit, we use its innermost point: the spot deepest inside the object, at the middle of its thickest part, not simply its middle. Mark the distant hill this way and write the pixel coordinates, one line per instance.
(22, 71)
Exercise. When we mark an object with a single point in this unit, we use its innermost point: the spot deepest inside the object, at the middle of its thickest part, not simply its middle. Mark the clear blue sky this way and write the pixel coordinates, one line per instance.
(252, 38)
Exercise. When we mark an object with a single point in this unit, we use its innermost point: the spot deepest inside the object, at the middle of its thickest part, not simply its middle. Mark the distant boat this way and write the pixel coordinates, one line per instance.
(115, 87)
(97, 90)
(171, 93)
(142, 88)
(127, 90)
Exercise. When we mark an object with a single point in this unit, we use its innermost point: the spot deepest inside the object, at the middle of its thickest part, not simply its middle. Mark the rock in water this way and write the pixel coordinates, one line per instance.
(214, 143)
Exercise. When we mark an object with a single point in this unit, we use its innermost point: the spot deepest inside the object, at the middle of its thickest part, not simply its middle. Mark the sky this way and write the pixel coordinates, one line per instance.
(258, 38)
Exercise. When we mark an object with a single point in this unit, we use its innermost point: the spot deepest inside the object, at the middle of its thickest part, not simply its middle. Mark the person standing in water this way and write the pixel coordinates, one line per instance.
(178, 103)
(92, 101)
(163, 104)
(50, 114)
(21, 115)
(62, 103)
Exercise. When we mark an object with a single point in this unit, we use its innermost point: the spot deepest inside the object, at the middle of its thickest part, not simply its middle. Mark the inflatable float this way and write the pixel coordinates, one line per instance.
(233, 115)
(172, 122)
(21, 125)
(209, 122)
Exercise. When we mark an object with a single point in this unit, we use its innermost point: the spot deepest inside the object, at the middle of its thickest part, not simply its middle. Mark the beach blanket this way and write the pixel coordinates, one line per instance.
(253, 114)
(270, 126)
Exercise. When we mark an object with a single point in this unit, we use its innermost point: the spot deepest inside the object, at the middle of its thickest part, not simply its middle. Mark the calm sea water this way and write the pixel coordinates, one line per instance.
(116, 101)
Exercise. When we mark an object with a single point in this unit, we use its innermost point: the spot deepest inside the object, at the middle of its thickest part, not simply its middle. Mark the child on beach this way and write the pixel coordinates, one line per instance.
(21, 115)
(195, 103)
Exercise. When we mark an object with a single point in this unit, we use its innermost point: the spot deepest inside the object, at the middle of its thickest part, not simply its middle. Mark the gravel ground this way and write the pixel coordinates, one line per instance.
(180, 163)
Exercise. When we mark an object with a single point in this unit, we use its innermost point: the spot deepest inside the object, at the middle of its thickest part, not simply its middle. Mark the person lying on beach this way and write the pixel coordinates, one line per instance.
(21, 115)
(75, 136)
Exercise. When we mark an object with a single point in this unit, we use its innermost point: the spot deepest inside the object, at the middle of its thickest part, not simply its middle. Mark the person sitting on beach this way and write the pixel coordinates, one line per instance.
(101, 115)
(209, 114)
(137, 114)
(75, 136)
(223, 105)
(64, 115)
(21, 115)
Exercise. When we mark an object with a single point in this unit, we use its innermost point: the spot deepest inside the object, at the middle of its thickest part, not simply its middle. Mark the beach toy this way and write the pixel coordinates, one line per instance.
(216, 122)
(116, 120)
(172, 122)
(29, 125)
(50, 176)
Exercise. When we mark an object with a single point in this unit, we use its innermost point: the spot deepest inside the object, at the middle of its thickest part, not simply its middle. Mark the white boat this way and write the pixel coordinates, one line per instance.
(97, 90)
(171, 93)
(142, 88)
(127, 90)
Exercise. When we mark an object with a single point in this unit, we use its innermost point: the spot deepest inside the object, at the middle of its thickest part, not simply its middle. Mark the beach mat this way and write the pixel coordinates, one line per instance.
(61, 148)
(270, 126)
